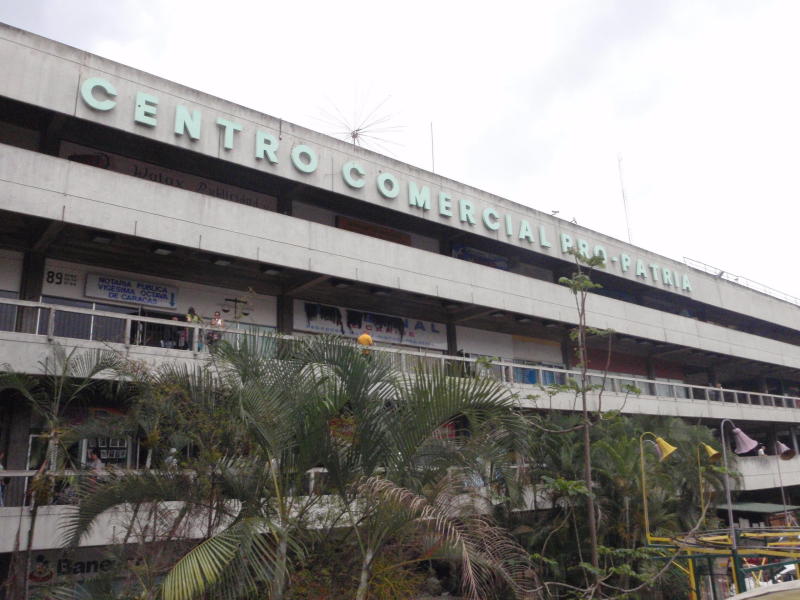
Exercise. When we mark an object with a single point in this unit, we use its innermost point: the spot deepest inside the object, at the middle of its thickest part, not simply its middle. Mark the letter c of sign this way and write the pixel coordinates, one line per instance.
(347, 173)
(87, 93)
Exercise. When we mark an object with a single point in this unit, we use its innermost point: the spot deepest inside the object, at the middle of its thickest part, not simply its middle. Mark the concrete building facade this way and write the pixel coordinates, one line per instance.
(126, 199)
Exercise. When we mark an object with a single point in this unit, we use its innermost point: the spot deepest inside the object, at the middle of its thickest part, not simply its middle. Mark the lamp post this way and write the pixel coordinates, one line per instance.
(782, 452)
(713, 456)
(743, 444)
(664, 449)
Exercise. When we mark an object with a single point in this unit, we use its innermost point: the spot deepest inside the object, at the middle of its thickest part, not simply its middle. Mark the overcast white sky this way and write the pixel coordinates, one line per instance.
(532, 101)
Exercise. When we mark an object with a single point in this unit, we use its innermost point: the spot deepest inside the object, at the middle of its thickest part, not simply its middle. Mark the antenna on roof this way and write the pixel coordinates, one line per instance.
(624, 199)
(433, 161)
(368, 128)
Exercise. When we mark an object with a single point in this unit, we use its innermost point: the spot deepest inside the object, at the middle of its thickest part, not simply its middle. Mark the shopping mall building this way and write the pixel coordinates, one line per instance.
(126, 199)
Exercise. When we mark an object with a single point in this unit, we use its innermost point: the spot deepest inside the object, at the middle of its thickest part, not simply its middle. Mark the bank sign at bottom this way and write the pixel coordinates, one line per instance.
(122, 289)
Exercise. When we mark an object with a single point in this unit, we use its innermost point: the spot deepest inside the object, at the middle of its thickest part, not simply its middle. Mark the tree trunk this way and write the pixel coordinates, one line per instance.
(587, 441)
(280, 570)
(587, 476)
(363, 584)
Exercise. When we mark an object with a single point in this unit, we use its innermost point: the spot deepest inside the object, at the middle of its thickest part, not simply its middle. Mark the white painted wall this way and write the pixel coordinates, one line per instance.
(507, 346)
(537, 350)
(204, 299)
(764, 472)
(485, 343)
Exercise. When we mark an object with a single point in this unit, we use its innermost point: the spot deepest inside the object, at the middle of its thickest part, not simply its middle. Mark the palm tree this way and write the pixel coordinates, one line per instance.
(282, 409)
(395, 434)
(67, 378)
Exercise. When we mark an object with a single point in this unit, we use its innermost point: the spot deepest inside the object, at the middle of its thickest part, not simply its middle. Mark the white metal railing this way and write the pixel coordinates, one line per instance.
(743, 281)
(16, 490)
(45, 319)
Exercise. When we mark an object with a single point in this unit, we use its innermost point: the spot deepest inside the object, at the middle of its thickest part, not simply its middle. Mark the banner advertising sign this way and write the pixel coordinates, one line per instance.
(122, 289)
(322, 318)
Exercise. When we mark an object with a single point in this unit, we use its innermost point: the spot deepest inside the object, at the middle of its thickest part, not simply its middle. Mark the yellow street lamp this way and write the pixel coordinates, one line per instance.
(664, 449)
(713, 455)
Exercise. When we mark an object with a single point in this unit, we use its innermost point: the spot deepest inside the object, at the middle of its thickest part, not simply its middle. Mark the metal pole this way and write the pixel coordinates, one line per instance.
(644, 487)
(737, 579)
(693, 591)
(711, 578)
(783, 492)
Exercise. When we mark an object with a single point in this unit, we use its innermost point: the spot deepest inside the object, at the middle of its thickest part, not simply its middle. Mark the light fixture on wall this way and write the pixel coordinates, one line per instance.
(498, 314)
(340, 283)
(220, 261)
(162, 249)
(377, 291)
(522, 319)
(270, 270)
(102, 237)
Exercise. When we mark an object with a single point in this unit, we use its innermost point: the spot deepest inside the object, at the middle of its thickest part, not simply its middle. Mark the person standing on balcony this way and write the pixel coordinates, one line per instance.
(95, 463)
(214, 336)
(193, 318)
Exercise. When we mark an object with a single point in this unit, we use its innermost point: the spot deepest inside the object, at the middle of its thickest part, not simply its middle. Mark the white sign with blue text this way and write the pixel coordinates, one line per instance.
(122, 289)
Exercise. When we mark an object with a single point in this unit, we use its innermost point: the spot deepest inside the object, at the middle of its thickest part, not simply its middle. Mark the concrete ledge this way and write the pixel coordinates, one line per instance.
(53, 188)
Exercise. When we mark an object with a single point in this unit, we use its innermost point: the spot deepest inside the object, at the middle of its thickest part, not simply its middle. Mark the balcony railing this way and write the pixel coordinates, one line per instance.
(117, 330)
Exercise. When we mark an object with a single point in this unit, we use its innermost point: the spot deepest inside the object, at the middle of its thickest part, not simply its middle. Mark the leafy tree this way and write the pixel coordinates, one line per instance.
(266, 412)
(67, 379)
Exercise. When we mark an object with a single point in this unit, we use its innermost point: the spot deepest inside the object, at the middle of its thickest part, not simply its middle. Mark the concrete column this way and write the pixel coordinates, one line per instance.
(285, 204)
(567, 354)
(17, 453)
(285, 314)
(651, 374)
(30, 289)
(32, 275)
(651, 368)
(452, 342)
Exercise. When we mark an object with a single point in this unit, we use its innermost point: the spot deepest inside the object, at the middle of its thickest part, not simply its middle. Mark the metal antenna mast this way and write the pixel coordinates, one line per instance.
(433, 161)
(624, 199)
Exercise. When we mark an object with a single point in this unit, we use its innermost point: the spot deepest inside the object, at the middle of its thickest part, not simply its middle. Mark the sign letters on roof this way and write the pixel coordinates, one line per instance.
(370, 181)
